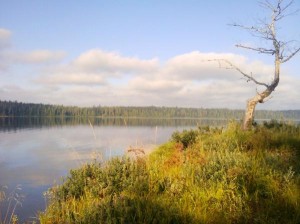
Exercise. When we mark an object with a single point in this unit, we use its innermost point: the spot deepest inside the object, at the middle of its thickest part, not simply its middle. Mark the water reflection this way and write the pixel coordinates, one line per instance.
(38, 156)
(13, 124)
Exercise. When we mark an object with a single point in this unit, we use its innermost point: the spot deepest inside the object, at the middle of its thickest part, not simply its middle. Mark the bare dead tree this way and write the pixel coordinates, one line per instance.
(282, 51)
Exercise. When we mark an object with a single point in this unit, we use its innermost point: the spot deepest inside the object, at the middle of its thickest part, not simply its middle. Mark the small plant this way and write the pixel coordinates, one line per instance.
(186, 138)
(272, 124)
(9, 203)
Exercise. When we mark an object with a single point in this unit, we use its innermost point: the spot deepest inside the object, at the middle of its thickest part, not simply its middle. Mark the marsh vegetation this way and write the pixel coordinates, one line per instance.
(207, 175)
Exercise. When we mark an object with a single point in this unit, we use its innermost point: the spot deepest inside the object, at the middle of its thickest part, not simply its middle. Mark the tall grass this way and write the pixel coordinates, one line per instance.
(9, 201)
(208, 175)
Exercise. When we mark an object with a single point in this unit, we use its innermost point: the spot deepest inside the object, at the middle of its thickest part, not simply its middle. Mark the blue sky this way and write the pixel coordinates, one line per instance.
(137, 53)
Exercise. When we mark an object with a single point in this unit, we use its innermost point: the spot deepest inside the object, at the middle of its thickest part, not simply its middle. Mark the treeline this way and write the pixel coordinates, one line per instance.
(17, 123)
(18, 109)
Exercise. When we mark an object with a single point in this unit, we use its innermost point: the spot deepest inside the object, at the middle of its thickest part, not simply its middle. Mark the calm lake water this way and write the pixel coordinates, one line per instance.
(36, 153)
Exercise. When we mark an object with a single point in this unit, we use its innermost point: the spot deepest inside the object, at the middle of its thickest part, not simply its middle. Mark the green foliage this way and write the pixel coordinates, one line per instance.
(186, 137)
(223, 176)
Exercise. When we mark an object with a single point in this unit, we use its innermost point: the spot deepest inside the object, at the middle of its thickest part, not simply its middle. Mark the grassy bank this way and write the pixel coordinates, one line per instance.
(201, 176)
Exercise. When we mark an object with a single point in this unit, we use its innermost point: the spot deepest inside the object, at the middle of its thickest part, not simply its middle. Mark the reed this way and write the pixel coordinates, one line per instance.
(9, 201)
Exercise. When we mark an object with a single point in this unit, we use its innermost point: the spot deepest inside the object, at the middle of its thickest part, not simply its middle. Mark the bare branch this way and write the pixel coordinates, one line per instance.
(232, 66)
(281, 11)
(288, 5)
(262, 100)
(267, 31)
(249, 28)
(289, 14)
(265, 99)
(290, 56)
(266, 4)
(259, 49)
(263, 32)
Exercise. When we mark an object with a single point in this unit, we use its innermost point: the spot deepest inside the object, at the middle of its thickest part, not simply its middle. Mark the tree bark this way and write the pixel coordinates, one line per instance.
(260, 97)
(251, 104)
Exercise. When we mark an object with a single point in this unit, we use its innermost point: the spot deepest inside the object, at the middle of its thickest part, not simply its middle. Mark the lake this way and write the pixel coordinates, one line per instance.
(35, 153)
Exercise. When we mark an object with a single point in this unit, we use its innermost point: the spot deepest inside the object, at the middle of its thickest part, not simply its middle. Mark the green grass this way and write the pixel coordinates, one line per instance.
(207, 175)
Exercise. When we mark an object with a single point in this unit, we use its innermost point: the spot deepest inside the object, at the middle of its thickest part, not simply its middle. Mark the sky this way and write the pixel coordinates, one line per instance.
(140, 53)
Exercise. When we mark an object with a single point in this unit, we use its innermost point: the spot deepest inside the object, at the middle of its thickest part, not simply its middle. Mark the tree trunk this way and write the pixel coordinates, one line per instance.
(249, 113)
(259, 98)
(250, 109)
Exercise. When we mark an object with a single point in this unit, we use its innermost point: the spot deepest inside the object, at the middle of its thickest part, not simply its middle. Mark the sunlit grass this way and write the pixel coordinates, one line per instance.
(207, 175)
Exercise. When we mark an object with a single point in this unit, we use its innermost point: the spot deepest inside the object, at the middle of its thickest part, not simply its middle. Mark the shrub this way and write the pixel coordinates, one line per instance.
(186, 138)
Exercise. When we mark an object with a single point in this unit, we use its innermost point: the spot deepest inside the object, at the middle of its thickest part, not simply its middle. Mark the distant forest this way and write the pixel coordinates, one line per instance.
(18, 109)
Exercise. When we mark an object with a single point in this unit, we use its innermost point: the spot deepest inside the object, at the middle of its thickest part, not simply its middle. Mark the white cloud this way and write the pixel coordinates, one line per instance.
(37, 56)
(72, 79)
(113, 62)
(106, 78)
(9, 57)
(5, 36)
(156, 85)
(96, 67)
(197, 66)
(3, 63)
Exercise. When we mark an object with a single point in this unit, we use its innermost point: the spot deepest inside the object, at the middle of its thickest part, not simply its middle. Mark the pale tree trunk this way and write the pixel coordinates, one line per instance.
(251, 104)
(260, 97)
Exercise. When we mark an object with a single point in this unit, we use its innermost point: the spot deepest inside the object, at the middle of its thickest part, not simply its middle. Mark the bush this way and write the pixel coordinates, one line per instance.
(186, 138)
